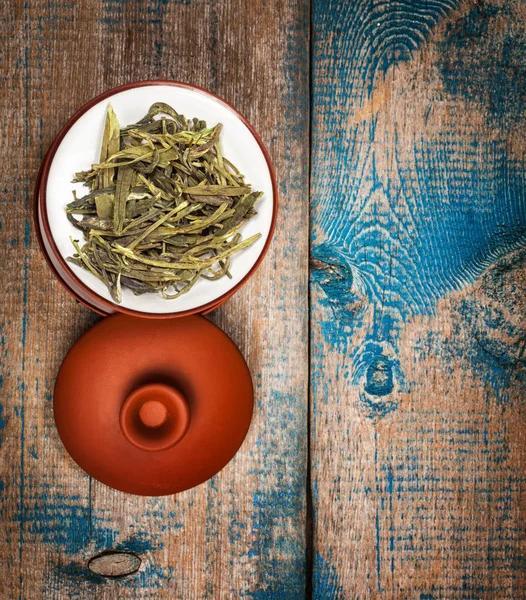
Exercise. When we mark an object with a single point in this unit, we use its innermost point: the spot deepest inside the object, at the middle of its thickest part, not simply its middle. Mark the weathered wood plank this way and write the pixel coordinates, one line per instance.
(242, 534)
(418, 281)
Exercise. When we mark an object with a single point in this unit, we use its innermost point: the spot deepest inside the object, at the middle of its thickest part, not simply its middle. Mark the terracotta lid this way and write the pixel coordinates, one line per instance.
(153, 407)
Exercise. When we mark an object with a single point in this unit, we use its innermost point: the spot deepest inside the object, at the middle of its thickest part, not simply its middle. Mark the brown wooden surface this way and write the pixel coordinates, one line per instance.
(417, 455)
(231, 537)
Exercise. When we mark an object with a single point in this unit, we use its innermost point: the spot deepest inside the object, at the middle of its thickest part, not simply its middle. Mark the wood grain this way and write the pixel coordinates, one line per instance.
(417, 321)
(242, 534)
(418, 289)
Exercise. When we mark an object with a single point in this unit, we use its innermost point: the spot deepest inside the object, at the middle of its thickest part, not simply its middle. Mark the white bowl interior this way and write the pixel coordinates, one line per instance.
(80, 149)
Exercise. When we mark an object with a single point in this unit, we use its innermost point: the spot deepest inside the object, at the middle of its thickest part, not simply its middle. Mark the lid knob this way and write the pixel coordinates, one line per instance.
(153, 413)
(154, 417)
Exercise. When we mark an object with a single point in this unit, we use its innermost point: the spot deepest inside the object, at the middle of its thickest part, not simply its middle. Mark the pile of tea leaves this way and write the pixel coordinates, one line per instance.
(164, 206)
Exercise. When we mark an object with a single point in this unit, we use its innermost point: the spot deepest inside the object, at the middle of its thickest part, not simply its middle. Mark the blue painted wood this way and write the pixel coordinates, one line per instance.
(418, 221)
(417, 342)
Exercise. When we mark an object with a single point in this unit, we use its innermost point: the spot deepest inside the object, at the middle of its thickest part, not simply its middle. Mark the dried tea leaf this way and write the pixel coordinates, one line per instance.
(164, 207)
(111, 144)
(124, 184)
(104, 204)
(157, 224)
(217, 190)
(212, 200)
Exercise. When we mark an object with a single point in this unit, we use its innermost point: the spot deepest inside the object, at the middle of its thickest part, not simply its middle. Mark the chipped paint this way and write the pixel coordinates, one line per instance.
(399, 228)
(418, 224)
(65, 522)
(482, 58)
(278, 505)
(326, 586)
(2, 421)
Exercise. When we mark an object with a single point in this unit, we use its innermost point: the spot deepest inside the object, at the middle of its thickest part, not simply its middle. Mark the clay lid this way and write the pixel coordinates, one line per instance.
(153, 407)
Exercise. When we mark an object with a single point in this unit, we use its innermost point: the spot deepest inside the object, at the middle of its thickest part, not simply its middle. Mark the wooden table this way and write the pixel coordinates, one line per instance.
(387, 456)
